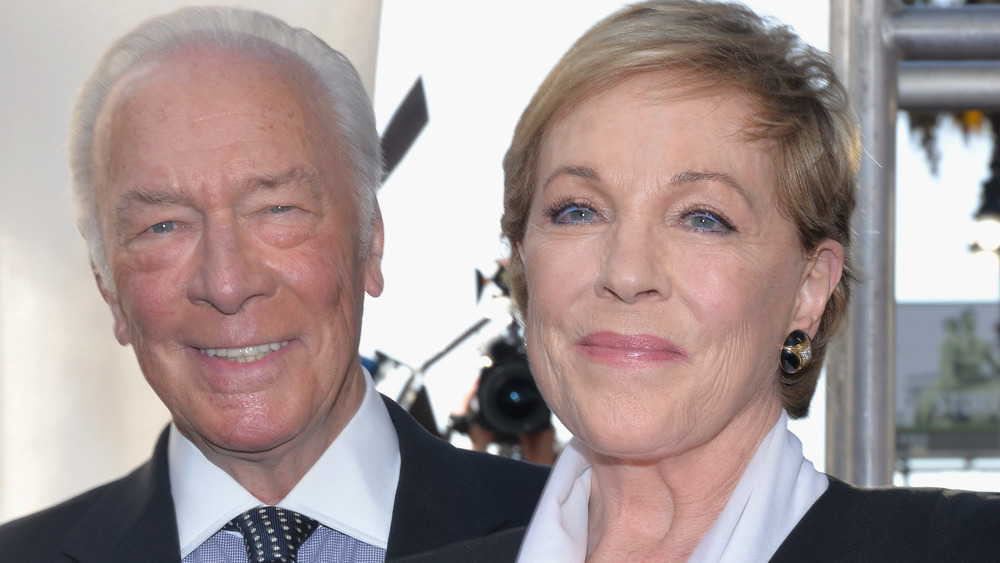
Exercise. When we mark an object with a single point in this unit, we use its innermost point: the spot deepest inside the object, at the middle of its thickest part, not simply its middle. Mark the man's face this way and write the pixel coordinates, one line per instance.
(230, 219)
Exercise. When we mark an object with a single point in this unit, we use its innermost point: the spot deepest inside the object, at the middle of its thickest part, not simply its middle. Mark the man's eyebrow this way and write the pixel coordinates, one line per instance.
(307, 176)
(584, 172)
(135, 199)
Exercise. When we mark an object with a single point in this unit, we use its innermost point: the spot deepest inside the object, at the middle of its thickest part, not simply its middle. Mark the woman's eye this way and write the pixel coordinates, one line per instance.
(573, 214)
(704, 221)
(163, 227)
(279, 209)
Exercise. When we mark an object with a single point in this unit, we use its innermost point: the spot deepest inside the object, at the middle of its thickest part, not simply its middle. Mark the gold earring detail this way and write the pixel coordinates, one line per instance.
(796, 352)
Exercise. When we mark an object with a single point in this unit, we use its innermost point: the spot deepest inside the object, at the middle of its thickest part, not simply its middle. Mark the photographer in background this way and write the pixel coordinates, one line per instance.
(504, 407)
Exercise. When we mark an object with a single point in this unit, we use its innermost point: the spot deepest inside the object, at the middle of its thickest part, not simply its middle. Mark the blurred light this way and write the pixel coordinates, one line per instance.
(987, 234)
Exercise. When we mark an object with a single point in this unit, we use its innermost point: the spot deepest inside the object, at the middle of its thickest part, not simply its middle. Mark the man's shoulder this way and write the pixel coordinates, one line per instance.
(429, 457)
(38, 536)
(447, 495)
(128, 519)
(479, 507)
(500, 547)
(896, 523)
(502, 467)
(515, 483)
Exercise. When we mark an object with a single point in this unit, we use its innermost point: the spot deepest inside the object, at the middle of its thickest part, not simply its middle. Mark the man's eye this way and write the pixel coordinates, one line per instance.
(279, 208)
(164, 227)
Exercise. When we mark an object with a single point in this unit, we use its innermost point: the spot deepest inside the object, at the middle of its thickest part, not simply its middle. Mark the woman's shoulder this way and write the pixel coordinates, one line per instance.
(896, 523)
(931, 507)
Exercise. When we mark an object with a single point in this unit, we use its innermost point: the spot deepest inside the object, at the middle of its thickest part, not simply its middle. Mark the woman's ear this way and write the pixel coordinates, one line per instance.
(819, 280)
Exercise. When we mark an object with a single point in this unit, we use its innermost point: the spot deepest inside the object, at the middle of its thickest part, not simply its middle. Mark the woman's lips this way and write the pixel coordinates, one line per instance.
(616, 349)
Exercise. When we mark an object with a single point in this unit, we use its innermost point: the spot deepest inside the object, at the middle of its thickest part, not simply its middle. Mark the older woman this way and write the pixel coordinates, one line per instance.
(678, 203)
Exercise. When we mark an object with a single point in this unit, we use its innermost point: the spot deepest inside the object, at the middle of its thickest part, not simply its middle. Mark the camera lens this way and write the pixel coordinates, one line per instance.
(517, 397)
(510, 402)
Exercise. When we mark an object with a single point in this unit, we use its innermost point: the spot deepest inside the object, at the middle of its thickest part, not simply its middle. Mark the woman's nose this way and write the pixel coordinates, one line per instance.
(634, 265)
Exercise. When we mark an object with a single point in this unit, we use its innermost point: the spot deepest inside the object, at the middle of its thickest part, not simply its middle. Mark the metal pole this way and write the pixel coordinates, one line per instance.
(868, 39)
(949, 85)
(966, 33)
(860, 417)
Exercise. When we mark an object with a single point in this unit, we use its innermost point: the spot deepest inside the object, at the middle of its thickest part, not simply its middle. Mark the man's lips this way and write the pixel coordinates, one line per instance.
(244, 354)
(616, 348)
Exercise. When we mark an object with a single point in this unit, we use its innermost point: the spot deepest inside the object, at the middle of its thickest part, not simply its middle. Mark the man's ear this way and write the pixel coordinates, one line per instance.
(819, 280)
(373, 262)
(110, 296)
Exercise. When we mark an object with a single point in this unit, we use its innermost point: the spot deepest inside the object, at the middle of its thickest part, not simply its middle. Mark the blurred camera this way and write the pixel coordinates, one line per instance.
(507, 401)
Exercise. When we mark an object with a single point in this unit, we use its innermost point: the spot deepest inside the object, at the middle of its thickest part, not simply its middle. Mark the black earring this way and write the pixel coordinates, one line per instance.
(796, 353)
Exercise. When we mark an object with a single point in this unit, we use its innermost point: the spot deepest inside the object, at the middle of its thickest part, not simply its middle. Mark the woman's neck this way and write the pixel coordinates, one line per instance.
(659, 510)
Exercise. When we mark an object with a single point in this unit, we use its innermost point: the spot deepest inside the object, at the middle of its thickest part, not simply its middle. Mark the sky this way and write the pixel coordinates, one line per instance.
(442, 205)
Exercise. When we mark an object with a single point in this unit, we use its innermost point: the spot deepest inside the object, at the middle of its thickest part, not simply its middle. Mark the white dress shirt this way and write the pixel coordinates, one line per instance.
(775, 491)
(351, 487)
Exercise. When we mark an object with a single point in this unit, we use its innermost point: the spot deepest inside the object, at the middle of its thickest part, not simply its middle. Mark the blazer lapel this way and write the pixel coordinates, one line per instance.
(440, 498)
(132, 521)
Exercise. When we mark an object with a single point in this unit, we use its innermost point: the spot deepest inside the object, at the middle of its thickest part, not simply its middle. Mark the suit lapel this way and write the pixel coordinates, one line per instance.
(440, 498)
(132, 521)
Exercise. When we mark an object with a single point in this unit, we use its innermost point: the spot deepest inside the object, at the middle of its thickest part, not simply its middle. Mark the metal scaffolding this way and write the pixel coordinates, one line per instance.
(892, 57)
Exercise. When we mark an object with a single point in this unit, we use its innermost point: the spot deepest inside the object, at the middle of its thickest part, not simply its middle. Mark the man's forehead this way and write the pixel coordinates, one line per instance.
(208, 67)
(192, 86)
(202, 99)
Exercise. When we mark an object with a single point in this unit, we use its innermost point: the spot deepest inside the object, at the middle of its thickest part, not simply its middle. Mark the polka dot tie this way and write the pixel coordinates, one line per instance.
(272, 534)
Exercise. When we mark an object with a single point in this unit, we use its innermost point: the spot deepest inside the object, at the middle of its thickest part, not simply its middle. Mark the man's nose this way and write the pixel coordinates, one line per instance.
(229, 268)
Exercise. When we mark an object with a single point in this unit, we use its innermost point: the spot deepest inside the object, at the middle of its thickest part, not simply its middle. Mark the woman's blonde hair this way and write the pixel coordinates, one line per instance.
(801, 109)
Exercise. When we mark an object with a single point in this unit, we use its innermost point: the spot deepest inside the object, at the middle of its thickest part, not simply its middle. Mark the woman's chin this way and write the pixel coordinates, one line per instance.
(627, 445)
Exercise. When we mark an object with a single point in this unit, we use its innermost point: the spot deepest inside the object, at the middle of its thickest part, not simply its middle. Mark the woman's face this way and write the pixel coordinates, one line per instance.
(662, 278)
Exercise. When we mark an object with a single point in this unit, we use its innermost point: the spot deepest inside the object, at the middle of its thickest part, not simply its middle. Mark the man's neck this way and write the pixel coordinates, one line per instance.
(271, 474)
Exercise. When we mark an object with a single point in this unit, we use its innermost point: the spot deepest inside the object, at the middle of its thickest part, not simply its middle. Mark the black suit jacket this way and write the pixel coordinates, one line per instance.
(445, 496)
(889, 524)
(846, 524)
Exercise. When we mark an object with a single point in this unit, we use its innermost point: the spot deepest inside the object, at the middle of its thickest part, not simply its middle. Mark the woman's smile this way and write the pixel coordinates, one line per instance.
(625, 350)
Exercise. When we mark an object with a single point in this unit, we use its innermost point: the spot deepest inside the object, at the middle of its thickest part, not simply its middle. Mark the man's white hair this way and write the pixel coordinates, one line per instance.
(240, 31)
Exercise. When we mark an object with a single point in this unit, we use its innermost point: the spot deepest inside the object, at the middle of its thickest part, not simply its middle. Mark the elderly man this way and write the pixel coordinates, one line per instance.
(225, 166)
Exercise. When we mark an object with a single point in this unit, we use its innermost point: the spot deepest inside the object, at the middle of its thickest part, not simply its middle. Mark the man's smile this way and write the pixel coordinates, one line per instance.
(244, 354)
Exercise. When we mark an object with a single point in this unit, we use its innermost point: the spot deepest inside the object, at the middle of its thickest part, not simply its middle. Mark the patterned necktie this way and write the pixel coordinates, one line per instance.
(272, 534)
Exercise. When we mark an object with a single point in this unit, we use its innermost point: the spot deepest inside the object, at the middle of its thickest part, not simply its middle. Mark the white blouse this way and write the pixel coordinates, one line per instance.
(777, 488)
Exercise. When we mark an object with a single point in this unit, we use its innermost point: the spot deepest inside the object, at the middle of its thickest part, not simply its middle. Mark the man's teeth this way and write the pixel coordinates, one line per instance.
(245, 354)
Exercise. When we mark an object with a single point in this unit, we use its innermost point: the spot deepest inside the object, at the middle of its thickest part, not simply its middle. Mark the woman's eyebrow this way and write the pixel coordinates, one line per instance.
(694, 176)
(584, 172)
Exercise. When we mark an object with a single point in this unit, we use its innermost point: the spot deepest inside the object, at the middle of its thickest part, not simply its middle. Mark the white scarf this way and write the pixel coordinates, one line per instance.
(777, 488)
